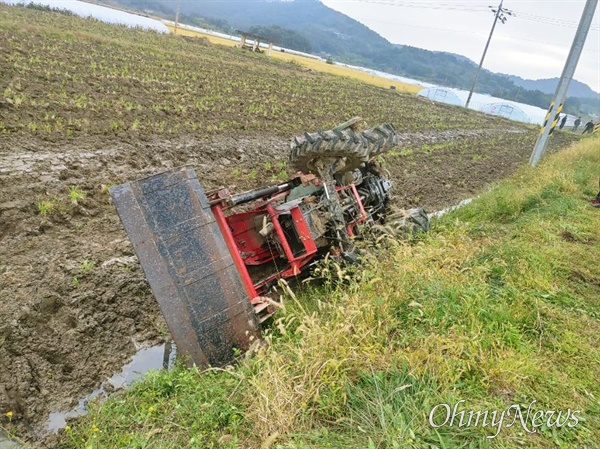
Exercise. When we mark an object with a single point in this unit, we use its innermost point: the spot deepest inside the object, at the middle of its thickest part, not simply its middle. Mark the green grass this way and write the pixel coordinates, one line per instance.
(75, 195)
(56, 205)
(46, 208)
(498, 305)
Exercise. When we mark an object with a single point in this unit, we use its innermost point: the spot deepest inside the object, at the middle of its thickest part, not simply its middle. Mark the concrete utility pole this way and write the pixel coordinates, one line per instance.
(499, 16)
(565, 80)
(177, 17)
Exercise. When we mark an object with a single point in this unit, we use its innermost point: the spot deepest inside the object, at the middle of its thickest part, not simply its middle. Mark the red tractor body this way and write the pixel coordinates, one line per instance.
(277, 238)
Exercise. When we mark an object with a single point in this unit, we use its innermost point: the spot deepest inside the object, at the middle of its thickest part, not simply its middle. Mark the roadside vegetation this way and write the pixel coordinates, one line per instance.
(497, 305)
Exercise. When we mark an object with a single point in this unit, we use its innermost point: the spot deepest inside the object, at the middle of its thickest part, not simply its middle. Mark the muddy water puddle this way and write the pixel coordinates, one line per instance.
(7, 443)
(145, 359)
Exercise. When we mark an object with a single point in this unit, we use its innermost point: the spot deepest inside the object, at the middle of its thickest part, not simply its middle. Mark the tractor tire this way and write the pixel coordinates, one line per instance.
(355, 147)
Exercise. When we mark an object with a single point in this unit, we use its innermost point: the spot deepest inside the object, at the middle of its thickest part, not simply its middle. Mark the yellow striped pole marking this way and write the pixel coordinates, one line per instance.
(547, 118)
(555, 122)
(597, 127)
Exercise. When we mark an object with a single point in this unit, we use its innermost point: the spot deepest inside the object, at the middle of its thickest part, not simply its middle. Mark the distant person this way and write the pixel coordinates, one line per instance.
(576, 124)
(562, 122)
(589, 127)
(596, 201)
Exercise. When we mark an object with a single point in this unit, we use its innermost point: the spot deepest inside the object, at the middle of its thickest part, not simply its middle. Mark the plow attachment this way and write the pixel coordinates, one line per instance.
(188, 265)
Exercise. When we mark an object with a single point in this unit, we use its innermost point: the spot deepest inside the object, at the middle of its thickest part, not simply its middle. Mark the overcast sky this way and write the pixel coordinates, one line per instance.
(534, 44)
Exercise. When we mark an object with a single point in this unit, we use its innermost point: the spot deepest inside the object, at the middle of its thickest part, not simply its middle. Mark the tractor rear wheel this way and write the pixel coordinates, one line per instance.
(355, 148)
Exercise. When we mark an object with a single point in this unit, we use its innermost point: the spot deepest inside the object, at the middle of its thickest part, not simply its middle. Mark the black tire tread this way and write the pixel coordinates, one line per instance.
(356, 147)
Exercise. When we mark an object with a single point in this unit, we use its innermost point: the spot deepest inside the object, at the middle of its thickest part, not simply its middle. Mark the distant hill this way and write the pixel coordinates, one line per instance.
(333, 34)
(329, 31)
(548, 86)
(459, 57)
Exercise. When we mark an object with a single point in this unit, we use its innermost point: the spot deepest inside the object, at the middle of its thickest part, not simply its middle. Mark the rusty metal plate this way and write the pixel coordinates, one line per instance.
(188, 265)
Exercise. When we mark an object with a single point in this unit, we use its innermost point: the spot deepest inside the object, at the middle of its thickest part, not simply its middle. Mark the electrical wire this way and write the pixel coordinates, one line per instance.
(471, 8)
(423, 5)
(552, 21)
(554, 44)
(410, 25)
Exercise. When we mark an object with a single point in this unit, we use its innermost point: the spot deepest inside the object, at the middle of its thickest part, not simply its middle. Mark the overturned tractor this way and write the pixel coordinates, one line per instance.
(213, 258)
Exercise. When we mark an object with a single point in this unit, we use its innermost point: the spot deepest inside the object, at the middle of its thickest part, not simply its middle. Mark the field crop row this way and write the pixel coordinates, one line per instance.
(311, 63)
(60, 81)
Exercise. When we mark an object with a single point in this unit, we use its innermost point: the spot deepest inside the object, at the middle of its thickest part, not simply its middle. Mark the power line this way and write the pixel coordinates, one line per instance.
(475, 33)
(551, 21)
(411, 25)
(554, 44)
(471, 8)
(424, 5)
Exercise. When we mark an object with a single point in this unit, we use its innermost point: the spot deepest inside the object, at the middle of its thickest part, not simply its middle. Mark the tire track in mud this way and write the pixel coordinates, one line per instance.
(46, 163)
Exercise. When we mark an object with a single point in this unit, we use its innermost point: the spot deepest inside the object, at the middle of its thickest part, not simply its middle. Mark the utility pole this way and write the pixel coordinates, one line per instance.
(177, 17)
(500, 15)
(563, 85)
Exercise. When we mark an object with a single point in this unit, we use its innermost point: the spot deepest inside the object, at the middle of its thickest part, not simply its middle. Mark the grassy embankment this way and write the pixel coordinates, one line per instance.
(497, 305)
(311, 63)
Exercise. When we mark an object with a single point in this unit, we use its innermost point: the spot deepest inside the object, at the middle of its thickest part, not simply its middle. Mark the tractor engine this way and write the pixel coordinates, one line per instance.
(364, 199)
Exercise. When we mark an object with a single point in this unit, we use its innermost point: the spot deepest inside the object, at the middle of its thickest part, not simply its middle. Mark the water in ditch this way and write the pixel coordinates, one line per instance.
(145, 359)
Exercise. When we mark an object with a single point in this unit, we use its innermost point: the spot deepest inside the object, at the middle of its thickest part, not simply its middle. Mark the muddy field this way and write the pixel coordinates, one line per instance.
(79, 305)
